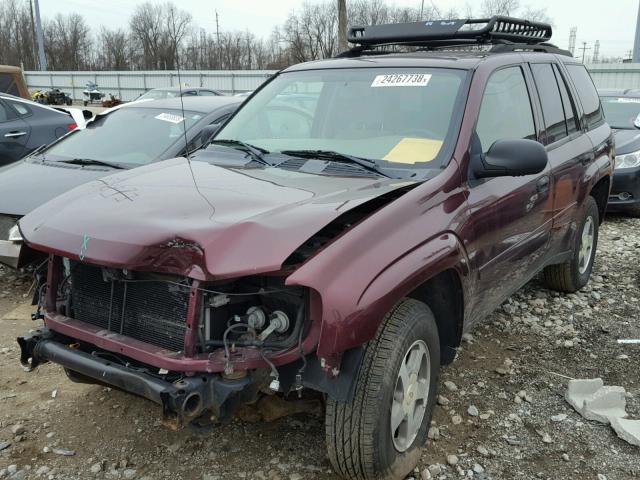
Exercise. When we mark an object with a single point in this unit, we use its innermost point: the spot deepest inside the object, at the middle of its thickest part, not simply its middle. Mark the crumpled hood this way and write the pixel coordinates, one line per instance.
(627, 141)
(27, 184)
(195, 219)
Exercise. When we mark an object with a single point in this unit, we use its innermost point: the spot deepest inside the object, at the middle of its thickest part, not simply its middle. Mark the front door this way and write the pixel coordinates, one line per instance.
(509, 222)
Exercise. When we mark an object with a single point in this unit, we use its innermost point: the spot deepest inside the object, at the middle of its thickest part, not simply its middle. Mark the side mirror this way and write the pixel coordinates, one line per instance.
(636, 122)
(510, 158)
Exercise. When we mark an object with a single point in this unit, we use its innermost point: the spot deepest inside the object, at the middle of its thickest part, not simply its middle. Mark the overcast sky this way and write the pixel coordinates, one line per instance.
(610, 21)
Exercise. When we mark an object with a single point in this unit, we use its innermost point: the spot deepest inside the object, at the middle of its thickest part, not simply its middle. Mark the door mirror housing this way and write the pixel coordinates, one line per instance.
(510, 158)
(636, 122)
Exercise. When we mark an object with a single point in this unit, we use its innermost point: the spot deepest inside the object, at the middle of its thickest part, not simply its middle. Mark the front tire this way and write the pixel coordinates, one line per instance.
(571, 276)
(378, 434)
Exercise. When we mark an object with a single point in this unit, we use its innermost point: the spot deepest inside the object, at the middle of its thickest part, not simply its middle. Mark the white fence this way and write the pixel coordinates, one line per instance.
(128, 85)
(615, 75)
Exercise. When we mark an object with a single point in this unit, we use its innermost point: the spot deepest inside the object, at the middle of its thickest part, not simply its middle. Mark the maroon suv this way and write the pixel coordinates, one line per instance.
(345, 227)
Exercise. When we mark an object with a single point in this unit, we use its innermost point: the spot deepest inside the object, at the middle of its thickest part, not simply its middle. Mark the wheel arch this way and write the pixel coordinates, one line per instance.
(600, 192)
(443, 294)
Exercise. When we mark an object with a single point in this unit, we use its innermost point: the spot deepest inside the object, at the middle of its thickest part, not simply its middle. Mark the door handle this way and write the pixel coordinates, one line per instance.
(14, 134)
(542, 185)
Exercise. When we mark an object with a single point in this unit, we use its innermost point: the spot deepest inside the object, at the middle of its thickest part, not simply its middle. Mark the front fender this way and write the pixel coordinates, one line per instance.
(351, 317)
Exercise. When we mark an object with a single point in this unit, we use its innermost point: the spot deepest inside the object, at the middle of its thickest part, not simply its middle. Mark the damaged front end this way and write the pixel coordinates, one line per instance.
(198, 349)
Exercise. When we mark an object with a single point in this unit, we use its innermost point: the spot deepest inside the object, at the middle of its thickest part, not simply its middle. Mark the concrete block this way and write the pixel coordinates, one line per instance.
(596, 402)
(627, 430)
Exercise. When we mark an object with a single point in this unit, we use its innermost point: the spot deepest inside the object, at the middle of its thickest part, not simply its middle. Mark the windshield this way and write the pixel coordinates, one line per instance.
(134, 136)
(621, 112)
(398, 117)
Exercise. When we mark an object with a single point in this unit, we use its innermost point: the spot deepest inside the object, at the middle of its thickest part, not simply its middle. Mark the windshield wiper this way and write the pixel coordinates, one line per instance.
(256, 153)
(365, 163)
(90, 161)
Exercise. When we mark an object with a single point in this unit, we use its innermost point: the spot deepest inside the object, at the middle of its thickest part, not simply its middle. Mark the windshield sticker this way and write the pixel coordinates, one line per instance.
(402, 80)
(414, 150)
(169, 117)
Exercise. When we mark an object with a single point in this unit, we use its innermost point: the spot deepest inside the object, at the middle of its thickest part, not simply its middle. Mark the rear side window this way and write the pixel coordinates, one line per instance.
(22, 109)
(588, 95)
(506, 109)
(567, 103)
(551, 101)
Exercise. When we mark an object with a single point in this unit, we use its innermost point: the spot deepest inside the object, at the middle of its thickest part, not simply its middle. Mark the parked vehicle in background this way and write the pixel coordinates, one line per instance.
(12, 82)
(27, 125)
(52, 97)
(622, 111)
(129, 136)
(171, 92)
(340, 233)
(91, 94)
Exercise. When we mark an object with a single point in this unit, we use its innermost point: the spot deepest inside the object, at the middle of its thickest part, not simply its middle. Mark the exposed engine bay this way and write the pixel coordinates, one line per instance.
(248, 312)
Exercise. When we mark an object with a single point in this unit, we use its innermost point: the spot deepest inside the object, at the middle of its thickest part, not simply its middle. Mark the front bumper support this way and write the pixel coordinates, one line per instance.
(182, 400)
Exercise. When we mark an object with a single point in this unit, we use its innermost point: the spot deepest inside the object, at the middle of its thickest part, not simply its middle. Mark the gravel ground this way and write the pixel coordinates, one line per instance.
(501, 412)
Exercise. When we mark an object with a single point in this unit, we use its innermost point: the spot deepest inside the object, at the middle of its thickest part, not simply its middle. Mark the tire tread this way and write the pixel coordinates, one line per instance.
(350, 425)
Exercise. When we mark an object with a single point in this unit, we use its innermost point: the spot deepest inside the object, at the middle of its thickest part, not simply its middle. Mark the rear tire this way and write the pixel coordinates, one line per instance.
(360, 441)
(571, 276)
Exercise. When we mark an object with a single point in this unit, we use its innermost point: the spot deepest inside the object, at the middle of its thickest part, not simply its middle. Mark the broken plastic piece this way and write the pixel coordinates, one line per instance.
(627, 430)
(594, 401)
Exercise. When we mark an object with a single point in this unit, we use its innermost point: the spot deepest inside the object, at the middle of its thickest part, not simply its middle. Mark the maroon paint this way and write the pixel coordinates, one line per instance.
(495, 234)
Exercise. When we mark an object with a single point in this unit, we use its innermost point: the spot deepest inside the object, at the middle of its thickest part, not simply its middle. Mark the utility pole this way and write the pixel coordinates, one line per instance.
(218, 42)
(40, 38)
(342, 25)
(584, 48)
(422, 10)
(34, 44)
(636, 44)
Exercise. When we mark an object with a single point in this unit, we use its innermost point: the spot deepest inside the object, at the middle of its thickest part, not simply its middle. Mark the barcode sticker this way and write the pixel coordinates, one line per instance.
(402, 80)
(169, 117)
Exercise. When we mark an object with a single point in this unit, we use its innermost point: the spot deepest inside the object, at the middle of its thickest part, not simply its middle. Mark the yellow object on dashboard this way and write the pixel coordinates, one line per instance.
(414, 150)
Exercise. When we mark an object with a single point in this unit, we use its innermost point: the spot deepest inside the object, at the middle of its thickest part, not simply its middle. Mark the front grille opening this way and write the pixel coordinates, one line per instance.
(144, 307)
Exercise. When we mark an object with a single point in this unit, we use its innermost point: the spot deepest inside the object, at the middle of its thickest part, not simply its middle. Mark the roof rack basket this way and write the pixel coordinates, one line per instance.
(497, 29)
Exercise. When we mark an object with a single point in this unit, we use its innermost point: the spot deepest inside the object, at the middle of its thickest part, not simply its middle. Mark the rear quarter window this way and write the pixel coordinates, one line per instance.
(22, 109)
(588, 95)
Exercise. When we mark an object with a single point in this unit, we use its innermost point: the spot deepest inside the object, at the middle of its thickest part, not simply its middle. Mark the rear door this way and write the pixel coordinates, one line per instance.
(570, 151)
(14, 134)
(507, 231)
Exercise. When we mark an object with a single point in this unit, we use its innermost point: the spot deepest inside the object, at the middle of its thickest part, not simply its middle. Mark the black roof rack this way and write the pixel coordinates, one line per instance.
(494, 28)
(506, 33)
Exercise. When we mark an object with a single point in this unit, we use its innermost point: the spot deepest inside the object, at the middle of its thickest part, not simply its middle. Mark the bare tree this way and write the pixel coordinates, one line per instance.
(162, 36)
(116, 51)
(67, 42)
(16, 34)
(499, 7)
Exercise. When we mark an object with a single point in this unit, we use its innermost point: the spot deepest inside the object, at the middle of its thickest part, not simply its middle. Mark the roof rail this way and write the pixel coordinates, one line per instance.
(484, 30)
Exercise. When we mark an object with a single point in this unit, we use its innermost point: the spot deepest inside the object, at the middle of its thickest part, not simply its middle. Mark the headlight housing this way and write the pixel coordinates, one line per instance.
(628, 160)
(14, 234)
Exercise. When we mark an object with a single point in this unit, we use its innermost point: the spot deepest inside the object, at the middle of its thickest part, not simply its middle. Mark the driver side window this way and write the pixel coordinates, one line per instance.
(506, 112)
